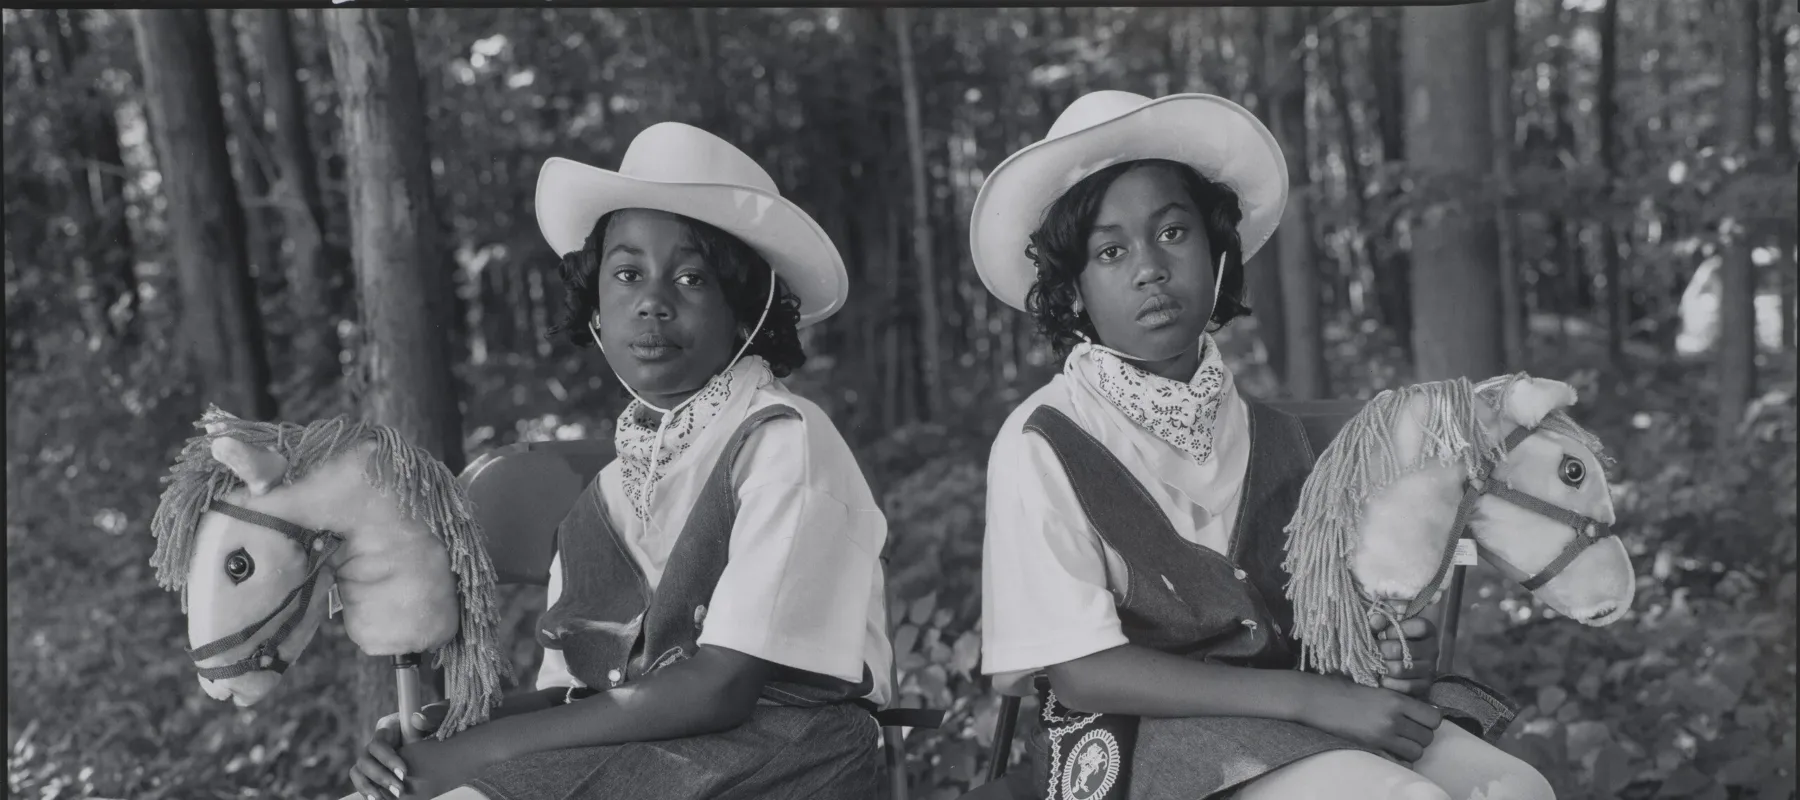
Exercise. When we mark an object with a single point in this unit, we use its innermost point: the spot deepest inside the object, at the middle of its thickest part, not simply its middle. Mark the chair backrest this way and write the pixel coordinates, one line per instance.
(520, 494)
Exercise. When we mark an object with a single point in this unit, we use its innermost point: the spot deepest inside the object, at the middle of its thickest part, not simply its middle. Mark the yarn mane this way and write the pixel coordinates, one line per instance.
(1331, 610)
(424, 489)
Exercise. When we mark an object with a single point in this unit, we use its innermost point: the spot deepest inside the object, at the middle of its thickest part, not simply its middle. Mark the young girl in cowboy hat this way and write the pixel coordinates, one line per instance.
(1136, 503)
(715, 624)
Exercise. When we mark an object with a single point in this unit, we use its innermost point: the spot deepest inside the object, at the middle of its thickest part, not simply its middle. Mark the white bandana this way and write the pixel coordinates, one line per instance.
(1192, 437)
(646, 452)
(1183, 414)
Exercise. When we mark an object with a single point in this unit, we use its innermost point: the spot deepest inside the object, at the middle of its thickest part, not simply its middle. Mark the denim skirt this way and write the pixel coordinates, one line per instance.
(830, 752)
(1201, 758)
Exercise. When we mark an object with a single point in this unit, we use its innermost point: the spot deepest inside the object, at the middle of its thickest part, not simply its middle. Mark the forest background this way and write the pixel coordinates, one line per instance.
(285, 212)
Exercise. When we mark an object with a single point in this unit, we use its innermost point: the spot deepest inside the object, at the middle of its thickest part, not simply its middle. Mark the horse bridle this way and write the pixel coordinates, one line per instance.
(319, 545)
(1588, 531)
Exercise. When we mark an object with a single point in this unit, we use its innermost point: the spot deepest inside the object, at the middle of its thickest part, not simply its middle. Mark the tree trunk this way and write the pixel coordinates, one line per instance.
(1737, 290)
(1781, 119)
(1286, 63)
(244, 120)
(1354, 182)
(1392, 263)
(299, 200)
(106, 265)
(714, 113)
(402, 282)
(1502, 38)
(931, 358)
(1262, 277)
(1618, 312)
(220, 329)
(1450, 140)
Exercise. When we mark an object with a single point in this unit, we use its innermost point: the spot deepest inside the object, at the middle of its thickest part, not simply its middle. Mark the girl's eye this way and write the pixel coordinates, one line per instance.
(1111, 252)
(691, 279)
(239, 566)
(1173, 233)
(625, 274)
(1572, 471)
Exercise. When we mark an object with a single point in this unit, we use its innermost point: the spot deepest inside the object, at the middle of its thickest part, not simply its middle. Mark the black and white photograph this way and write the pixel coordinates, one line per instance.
(1217, 402)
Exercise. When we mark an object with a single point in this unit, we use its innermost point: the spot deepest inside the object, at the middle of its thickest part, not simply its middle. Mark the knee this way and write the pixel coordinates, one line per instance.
(1418, 788)
(1520, 782)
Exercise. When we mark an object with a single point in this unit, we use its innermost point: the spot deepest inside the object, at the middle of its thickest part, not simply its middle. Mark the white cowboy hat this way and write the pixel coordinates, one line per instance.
(1211, 134)
(683, 170)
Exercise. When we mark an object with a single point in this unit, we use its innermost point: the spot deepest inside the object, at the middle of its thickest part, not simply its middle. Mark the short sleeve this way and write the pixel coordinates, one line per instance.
(1044, 599)
(554, 672)
(804, 559)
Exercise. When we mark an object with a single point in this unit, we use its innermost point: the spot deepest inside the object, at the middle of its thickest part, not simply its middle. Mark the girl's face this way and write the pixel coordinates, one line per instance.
(1148, 283)
(662, 313)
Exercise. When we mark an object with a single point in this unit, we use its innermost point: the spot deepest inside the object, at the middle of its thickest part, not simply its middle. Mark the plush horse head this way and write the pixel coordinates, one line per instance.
(259, 517)
(1419, 468)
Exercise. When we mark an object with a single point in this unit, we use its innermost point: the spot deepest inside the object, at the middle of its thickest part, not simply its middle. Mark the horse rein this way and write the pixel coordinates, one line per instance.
(319, 546)
(1588, 531)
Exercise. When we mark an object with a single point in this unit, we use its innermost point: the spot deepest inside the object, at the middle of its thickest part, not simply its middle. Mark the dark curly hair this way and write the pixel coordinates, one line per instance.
(1059, 249)
(743, 275)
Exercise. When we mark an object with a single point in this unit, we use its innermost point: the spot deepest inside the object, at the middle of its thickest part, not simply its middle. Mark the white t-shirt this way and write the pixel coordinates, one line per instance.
(1048, 580)
(803, 586)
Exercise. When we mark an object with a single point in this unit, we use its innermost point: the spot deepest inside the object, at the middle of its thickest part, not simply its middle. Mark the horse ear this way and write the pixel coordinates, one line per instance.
(213, 421)
(1529, 400)
(258, 468)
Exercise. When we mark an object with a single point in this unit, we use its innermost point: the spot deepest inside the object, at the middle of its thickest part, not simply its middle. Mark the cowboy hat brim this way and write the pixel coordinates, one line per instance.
(572, 197)
(1215, 136)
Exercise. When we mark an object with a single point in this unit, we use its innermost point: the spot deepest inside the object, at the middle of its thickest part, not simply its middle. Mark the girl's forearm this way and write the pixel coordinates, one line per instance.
(698, 696)
(1142, 682)
(528, 701)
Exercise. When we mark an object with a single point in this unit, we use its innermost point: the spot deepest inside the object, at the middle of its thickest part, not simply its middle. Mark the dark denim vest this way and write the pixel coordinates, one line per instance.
(1179, 597)
(612, 629)
(1184, 598)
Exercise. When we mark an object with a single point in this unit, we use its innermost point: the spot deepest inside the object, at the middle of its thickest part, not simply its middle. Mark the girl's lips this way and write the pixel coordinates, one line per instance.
(1158, 311)
(653, 347)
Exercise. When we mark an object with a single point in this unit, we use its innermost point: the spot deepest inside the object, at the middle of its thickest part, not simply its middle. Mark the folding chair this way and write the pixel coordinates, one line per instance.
(1322, 420)
(520, 494)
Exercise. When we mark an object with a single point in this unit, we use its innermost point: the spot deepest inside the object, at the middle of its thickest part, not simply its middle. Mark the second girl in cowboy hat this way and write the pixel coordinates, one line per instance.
(715, 617)
(1132, 564)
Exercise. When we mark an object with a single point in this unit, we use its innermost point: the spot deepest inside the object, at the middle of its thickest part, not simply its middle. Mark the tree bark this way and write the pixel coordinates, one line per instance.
(1450, 140)
(1737, 290)
(1502, 39)
(404, 287)
(244, 121)
(220, 328)
(1618, 312)
(1285, 61)
(1392, 263)
(105, 264)
(930, 355)
(1781, 119)
(1262, 277)
(298, 199)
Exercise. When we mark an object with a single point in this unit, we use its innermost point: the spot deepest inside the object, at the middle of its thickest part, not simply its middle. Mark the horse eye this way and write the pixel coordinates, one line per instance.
(239, 566)
(1573, 471)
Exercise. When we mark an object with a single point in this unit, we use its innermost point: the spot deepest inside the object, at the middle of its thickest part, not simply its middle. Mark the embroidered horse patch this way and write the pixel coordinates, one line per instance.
(1092, 767)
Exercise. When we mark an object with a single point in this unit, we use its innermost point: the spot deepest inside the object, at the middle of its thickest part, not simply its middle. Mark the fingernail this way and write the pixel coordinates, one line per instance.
(400, 773)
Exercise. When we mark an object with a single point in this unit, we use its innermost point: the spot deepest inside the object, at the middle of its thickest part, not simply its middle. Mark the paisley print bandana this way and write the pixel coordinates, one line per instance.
(645, 452)
(1183, 414)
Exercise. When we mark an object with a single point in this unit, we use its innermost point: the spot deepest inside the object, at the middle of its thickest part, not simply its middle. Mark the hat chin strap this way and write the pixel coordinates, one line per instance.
(1218, 283)
(669, 413)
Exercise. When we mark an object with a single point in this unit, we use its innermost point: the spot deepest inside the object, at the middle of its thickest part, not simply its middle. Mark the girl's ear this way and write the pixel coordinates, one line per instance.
(1077, 306)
